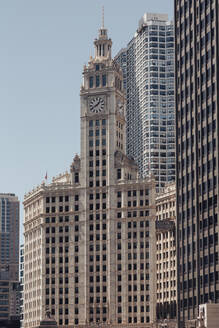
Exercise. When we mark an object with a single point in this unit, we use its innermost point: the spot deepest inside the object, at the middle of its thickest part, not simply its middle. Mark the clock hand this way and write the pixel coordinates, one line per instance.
(97, 103)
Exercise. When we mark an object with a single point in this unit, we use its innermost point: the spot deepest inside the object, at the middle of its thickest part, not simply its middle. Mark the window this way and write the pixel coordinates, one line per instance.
(91, 82)
(76, 177)
(104, 80)
(97, 81)
(66, 220)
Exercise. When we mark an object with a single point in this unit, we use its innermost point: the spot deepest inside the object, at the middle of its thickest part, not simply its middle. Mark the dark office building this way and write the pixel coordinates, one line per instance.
(9, 260)
(197, 144)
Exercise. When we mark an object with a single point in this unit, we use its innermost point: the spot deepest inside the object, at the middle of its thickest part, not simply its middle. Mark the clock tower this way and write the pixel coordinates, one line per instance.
(103, 134)
(102, 107)
(106, 173)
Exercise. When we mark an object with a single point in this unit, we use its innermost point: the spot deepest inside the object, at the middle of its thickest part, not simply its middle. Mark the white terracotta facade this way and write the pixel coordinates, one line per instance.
(90, 234)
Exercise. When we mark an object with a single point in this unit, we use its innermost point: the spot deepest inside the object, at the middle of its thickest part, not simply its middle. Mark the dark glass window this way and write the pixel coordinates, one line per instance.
(104, 80)
(91, 82)
(118, 173)
(97, 80)
(90, 123)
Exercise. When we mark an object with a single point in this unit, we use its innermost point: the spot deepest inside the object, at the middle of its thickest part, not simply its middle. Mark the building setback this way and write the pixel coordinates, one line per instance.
(148, 69)
(89, 236)
(197, 118)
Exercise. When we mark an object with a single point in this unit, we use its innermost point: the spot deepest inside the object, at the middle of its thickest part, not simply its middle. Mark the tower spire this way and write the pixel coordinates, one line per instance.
(103, 43)
(102, 27)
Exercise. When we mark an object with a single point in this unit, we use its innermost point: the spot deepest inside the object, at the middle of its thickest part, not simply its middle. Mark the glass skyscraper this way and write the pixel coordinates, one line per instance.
(9, 258)
(9, 230)
(148, 69)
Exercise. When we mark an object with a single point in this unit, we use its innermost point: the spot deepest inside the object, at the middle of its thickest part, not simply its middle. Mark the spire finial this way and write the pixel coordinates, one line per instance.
(102, 17)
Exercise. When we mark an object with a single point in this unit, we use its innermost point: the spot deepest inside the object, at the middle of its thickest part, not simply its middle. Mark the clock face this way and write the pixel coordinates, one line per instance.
(96, 105)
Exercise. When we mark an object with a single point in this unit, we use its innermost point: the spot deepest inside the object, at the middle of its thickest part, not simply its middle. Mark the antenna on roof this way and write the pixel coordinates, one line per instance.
(102, 17)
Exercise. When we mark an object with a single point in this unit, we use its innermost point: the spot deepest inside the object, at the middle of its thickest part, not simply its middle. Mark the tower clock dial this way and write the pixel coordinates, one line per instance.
(96, 105)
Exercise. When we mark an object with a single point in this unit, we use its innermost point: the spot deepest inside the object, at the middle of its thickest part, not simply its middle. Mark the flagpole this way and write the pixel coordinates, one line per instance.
(46, 176)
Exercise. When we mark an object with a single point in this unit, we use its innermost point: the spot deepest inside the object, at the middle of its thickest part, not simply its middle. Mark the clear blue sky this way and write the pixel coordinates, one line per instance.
(43, 47)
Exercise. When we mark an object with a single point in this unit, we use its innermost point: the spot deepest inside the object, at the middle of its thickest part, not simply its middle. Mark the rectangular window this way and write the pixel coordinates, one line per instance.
(97, 80)
(119, 175)
(104, 80)
(91, 82)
